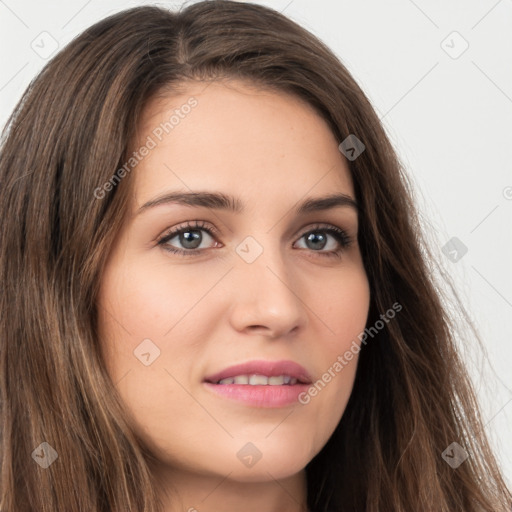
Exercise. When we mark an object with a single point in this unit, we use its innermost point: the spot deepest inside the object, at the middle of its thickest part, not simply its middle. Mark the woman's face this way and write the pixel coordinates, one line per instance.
(267, 283)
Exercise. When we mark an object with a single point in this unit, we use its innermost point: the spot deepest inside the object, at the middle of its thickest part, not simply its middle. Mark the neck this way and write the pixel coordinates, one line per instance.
(183, 491)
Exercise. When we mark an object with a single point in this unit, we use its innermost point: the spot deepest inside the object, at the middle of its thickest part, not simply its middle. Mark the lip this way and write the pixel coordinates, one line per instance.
(261, 367)
(269, 397)
(261, 396)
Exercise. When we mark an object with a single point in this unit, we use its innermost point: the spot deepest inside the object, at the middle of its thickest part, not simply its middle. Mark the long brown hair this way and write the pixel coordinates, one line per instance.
(68, 135)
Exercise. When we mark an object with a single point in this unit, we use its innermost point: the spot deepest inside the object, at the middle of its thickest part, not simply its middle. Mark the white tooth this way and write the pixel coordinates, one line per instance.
(255, 380)
(276, 381)
(260, 380)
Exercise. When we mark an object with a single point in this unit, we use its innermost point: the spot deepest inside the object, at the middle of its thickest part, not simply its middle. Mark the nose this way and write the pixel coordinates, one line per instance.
(266, 299)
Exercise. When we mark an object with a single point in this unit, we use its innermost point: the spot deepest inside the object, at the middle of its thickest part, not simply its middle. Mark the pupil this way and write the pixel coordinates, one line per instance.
(314, 238)
(191, 239)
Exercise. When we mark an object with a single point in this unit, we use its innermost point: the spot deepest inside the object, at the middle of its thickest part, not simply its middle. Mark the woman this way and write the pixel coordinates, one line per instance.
(215, 293)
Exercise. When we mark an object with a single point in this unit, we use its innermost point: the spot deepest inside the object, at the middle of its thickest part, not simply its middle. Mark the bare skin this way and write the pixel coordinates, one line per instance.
(211, 310)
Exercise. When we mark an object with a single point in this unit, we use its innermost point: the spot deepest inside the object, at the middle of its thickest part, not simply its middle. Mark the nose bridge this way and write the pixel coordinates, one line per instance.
(262, 260)
(265, 292)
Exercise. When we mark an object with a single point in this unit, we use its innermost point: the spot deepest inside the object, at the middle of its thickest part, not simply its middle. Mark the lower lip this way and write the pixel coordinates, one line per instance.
(260, 396)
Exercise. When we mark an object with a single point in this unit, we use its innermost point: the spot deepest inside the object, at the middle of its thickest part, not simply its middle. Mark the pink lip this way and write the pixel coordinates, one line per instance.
(267, 368)
(261, 396)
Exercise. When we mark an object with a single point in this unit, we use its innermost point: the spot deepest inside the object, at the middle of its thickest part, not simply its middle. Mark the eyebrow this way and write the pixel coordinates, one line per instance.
(220, 201)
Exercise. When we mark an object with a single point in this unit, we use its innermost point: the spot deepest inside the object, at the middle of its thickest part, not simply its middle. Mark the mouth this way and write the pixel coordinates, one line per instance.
(260, 380)
(262, 373)
(267, 384)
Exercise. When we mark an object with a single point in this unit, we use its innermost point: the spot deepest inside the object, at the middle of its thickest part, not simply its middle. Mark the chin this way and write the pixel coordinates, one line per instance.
(274, 469)
(275, 458)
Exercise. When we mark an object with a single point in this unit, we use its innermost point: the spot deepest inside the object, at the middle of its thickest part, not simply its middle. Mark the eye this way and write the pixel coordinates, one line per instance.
(190, 236)
(317, 239)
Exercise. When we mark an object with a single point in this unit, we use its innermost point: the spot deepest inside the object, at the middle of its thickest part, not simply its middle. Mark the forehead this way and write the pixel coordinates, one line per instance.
(234, 135)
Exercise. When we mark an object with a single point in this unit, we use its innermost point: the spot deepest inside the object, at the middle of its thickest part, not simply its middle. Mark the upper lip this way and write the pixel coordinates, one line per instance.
(267, 368)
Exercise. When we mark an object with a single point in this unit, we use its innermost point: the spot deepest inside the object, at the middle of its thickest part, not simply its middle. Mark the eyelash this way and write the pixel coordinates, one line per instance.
(340, 235)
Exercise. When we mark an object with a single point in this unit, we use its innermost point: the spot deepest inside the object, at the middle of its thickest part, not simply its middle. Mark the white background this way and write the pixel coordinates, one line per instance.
(449, 117)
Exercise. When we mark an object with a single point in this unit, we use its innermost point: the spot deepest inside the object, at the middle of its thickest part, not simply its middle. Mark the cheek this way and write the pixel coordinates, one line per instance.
(143, 319)
(153, 313)
(149, 299)
(344, 306)
(134, 314)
